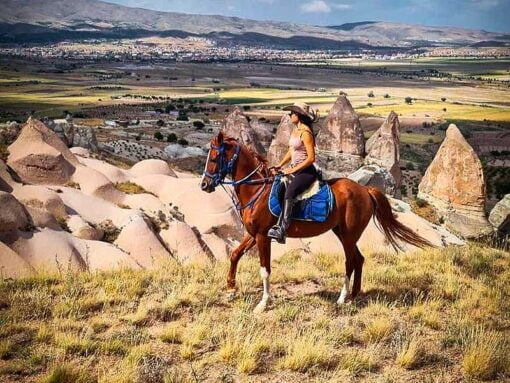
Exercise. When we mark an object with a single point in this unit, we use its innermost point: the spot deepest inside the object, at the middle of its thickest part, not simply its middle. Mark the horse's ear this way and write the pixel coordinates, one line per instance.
(219, 138)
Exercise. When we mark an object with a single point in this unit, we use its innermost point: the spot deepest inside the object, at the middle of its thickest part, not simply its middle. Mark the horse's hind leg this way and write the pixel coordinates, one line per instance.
(350, 257)
(245, 245)
(358, 270)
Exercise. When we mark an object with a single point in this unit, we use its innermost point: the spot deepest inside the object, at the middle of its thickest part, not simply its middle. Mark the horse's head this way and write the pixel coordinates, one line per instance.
(220, 162)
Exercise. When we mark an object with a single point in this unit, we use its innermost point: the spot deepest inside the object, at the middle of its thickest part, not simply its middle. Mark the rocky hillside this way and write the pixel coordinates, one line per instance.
(55, 20)
(63, 209)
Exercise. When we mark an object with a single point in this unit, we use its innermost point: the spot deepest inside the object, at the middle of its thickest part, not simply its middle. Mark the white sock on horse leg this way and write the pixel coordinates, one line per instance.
(265, 295)
(265, 281)
(346, 290)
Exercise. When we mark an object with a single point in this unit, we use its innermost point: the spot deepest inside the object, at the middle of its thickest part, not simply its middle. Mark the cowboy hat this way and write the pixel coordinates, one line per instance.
(301, 108)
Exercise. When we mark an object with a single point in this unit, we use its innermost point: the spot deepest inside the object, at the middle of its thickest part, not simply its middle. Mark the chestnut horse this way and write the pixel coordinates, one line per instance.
(354, 206)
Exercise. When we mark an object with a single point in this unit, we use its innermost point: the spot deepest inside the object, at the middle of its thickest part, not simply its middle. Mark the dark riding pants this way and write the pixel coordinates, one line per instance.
(300, 181)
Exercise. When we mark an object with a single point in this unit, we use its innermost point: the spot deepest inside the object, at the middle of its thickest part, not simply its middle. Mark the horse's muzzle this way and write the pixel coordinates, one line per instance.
(207, 186)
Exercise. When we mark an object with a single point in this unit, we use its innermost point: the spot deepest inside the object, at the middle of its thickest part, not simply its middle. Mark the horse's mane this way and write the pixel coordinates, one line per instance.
(261, 160)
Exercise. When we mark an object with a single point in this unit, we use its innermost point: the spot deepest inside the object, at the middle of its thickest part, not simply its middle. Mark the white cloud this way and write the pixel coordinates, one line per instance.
(341, 7)
(316, 6)
(320, 6)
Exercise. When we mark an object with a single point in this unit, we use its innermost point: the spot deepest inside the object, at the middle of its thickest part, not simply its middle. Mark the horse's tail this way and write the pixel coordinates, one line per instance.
(393, 229)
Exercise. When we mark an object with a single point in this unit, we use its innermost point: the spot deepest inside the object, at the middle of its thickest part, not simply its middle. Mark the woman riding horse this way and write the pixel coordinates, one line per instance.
(355, 205)
(302, 172)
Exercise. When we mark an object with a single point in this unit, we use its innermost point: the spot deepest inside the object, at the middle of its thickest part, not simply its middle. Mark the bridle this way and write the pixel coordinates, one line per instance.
(226, 167)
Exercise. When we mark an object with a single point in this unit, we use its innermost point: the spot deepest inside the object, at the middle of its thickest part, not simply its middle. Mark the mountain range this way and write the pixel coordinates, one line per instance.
(31, 21)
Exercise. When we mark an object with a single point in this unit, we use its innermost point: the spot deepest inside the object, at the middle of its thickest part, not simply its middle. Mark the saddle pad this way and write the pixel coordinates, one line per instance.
(315, 208)
(314, 188)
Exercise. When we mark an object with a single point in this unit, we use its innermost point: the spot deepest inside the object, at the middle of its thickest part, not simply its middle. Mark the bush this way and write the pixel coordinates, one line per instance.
(387, 95)
(421, 202)
(160, 123)
(198, 124)
(443, 99)
(371, 94)
(246, 107)
(410, 166)
(182, 141)
(158, 136)
(409, 100)
(172, 137)
(169, 108)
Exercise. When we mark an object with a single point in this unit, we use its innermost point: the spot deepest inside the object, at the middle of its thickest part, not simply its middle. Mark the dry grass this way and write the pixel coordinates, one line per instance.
(436, 315)
(131, 188)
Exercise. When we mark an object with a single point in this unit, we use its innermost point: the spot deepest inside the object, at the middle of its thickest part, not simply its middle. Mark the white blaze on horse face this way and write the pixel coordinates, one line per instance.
(206, 165)
(345, 291)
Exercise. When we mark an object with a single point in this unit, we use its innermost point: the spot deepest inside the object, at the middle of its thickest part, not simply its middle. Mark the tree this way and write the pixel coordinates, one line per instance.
(387, 96)
(158, 136)
(172, 137)
(409, 100)
(160, 123)
(246, 107)
(169, 108)
(371, 94)
(182, 141)
(443, 99)
(183, 116)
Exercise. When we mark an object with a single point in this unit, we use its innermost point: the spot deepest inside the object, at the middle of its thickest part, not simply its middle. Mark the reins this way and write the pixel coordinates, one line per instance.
(227, 168)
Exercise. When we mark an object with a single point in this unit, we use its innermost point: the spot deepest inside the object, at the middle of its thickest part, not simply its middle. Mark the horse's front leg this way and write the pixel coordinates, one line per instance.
(246, 244)
(264, 247)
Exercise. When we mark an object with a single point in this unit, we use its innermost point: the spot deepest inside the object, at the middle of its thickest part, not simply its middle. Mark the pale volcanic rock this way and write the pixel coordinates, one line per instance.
(9, 133)
(6, 181)
(38, 156)
(94, 209)
(149, 167)
(42, 198)
(375, 176)
(81, 229)
(49, 251)
(183, 242)
(341, 131)
(455, 185)
(13, 215)
(500, 215)
(383, 148)
(219, 247)
(85, 137)
(236, 125)
(280, 144)
(340, 141)
(12, 265)
(80, 152)
(41, 218)
(96, 184)
(138, 240)
(113, 173)
(205, 211)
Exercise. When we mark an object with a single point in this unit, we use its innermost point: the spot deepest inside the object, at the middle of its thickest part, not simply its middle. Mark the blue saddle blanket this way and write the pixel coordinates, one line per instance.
(315, 208)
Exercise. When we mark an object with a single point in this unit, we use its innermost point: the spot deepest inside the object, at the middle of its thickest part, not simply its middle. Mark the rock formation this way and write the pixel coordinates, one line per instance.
(454, 184)
(91, 224)
(383, 148)
(38, 156)
(74, 135)
(236, 125)
(500, 216)
(280, 144)
(340, 141)
(375, 176)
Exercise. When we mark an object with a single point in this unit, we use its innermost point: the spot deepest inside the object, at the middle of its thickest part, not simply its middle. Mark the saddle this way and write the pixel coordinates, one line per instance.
(314, 204)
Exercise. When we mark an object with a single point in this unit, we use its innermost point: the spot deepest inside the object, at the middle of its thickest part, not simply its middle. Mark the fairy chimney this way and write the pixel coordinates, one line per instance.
(280, 144)
(454, 185)
(340, 141)
(383, 148)
(236, 125)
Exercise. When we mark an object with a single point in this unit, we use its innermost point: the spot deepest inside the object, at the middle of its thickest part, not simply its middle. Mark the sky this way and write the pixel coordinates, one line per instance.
(491, 15)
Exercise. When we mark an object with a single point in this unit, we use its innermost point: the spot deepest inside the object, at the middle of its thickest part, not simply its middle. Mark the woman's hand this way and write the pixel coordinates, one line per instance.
(288, 171)
(274, 169)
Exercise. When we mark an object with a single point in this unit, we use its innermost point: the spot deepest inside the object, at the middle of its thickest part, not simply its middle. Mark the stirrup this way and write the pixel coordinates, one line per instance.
(277, 233)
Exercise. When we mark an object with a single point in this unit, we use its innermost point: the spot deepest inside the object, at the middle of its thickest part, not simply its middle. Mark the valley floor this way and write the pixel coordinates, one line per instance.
(440, 315)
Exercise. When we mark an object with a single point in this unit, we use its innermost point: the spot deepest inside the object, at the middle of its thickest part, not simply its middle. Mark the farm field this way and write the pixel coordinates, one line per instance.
(429, 316)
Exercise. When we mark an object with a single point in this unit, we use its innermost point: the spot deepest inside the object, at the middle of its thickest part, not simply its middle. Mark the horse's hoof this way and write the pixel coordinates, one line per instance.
(231, 295)
(259, 309)
(343, 302)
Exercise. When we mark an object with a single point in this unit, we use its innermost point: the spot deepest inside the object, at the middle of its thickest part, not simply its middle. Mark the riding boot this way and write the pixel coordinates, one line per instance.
(279, 231)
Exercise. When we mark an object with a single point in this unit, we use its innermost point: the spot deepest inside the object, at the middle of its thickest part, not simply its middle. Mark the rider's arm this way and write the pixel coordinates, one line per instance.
(310, 151)
(286, 159)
